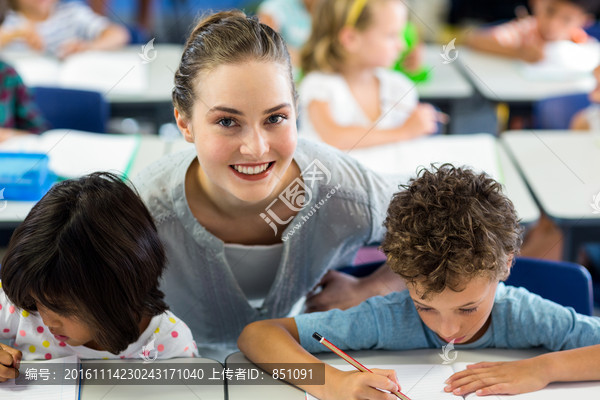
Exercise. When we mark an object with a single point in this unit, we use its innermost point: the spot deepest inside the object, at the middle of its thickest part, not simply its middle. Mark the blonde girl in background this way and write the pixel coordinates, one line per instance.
(349, 98)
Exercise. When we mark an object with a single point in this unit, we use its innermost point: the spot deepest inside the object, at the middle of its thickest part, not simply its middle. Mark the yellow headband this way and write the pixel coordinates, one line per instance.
(355, 11)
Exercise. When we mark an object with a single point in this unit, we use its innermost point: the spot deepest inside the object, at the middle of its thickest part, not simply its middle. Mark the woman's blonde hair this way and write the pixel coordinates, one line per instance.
(226, 37)
(323, 50)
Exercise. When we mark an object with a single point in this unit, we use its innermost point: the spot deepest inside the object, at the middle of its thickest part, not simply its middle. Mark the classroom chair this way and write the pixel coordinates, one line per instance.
(557, 112)
(565, 283)
(63, 108)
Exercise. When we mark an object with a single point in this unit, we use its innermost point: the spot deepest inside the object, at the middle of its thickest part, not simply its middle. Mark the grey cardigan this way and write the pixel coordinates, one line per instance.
(346, 209)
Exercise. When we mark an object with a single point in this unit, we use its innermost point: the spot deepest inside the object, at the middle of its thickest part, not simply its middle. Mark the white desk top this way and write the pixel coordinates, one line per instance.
(399, 161)
(121, 75)
(562, 169)
(502, 79)
(151, 148)
(280, 390)
(158, 392)
(446, 81)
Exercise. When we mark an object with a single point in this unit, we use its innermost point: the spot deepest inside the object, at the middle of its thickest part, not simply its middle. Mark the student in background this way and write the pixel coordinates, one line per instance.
(18, 113)
(349, 98)
(589, 118)
(253, 218)
(452, 235)
(525, 38)
(291, 18)
(58, 28)
(80, 276)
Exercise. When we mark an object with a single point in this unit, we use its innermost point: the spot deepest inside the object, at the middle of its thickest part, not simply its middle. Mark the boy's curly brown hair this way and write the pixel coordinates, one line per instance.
(448, 226)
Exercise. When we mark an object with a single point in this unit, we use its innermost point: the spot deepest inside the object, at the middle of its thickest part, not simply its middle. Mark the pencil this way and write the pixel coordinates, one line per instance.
(350, 360)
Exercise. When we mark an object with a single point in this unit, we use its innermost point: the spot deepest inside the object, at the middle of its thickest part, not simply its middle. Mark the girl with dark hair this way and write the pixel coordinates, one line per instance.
(80, 276)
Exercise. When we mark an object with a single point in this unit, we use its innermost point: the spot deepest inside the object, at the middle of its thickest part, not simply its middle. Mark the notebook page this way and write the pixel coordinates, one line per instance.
(9, 390)
(418, 381)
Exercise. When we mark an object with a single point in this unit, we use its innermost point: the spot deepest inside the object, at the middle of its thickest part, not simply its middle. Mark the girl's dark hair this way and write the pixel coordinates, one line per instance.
(89, 249)
(226, 37)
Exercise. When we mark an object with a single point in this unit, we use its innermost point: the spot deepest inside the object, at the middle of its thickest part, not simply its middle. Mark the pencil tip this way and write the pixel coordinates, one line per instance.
(317, 336)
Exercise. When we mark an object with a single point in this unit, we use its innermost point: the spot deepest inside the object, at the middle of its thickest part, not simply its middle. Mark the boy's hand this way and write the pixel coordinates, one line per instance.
(488, 378)
(532, 50)
(362, 385)
(9, 362)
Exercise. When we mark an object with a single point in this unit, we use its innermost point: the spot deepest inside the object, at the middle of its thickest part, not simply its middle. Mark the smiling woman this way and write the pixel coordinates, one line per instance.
(223, 208)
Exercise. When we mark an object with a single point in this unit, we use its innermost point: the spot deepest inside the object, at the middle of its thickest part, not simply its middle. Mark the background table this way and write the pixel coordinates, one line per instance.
(399, 161)
(151, 148)
(135, 85)
(562, 168)
(501, 79)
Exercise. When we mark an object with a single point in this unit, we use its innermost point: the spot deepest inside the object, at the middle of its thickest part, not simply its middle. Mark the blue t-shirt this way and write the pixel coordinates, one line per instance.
(519, 319)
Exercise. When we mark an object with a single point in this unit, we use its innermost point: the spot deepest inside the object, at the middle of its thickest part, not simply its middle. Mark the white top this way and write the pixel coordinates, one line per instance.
(68, 21)
(254, 268)
(166, 337)
(592, 116)
(398, 98)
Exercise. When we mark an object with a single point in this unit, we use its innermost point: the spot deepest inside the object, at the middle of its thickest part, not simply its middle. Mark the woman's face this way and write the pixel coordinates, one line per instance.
(243, 124)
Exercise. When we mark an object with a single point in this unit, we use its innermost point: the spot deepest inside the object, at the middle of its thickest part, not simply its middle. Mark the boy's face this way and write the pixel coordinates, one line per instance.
(460, 316)
(558, 19)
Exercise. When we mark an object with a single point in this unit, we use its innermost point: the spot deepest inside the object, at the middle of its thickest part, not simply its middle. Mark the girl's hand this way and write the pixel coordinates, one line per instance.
(486, 378)
(361, 385)
(72, 47)
(9, 362)
(423, 121)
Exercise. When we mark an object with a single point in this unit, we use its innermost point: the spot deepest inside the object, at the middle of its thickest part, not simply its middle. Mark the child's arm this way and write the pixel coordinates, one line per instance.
(277, 341)
(113, 37)
(528, 375)
(528, 48)
(26, 32)
(422, 121)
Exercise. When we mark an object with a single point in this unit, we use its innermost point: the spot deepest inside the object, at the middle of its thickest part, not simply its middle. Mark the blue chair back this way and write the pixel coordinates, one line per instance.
(565, 283)
(557, 112)
(63, 108)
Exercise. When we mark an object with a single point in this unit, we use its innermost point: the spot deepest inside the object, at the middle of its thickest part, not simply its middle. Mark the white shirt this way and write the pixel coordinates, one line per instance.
(254, 268)
(397, 96)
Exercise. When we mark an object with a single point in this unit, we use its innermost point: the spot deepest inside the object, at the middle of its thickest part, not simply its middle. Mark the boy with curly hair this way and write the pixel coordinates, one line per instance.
(452, 235)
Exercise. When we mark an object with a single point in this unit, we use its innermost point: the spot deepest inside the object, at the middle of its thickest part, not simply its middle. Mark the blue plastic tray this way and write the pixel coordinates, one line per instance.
(25, 176)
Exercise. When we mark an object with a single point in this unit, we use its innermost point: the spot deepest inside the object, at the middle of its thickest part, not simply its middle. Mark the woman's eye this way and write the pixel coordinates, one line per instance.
(468, 310)
(275, 119)
(226, 122)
